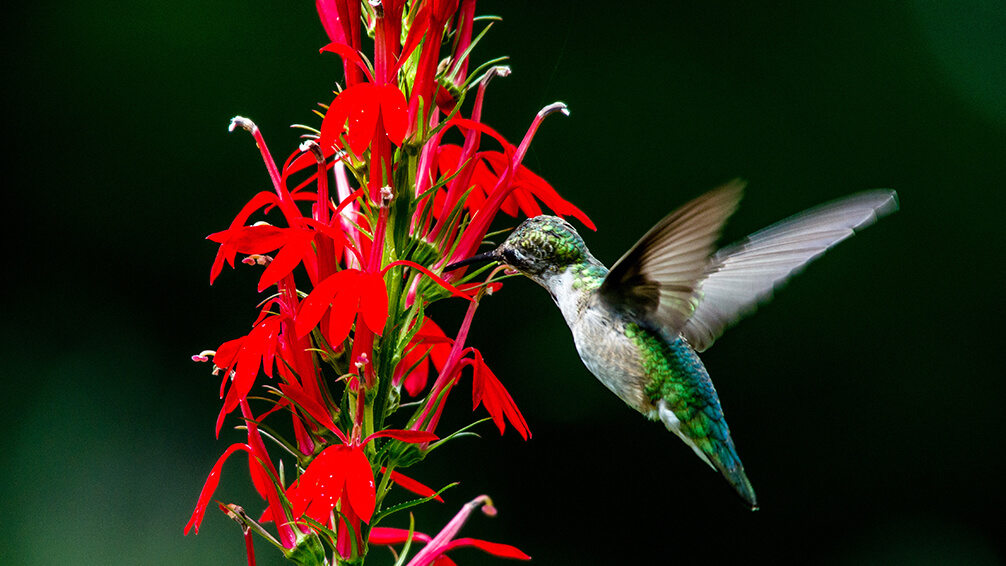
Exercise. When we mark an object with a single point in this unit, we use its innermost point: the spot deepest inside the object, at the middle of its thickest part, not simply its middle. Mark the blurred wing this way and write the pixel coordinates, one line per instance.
(658, 278)
(746, 273)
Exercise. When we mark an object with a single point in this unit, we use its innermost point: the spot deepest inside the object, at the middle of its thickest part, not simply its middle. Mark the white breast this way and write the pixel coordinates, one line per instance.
(600, 340)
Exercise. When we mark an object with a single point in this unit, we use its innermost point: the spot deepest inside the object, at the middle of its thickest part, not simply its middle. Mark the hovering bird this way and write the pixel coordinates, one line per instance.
(637, 327)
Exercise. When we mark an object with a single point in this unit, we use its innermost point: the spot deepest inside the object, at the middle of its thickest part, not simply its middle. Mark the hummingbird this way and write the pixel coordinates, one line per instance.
(638, 327)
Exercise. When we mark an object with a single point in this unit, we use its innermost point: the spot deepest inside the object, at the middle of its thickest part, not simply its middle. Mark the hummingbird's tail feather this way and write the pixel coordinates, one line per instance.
(709, 436)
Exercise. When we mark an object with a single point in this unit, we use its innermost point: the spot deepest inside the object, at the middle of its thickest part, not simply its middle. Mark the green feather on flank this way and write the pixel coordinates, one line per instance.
(678, 378)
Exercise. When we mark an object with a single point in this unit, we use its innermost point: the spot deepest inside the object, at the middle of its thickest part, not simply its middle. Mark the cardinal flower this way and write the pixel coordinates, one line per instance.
(343, 295)
(488, 390)
(430, 346)
(342, 476)
(357, 112)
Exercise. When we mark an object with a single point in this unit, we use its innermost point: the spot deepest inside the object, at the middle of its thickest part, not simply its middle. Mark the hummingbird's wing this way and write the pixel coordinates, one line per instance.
(657, 279)
(744, 274)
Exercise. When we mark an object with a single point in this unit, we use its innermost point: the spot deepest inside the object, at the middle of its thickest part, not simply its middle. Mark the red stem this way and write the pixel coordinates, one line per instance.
(448, 372)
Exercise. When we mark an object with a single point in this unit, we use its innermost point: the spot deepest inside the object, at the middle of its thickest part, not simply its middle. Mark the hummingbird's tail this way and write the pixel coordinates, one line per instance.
(682, 396)
(706, 431)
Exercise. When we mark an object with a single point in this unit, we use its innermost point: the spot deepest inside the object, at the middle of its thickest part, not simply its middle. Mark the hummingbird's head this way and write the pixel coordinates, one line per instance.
(541, 248)
(541, 245)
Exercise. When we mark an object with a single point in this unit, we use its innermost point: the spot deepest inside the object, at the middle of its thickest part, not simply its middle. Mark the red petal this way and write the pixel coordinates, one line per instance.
(491, 393)
(314, 306)
(416, 32)
(454, 291)
(415, 382)
(349, 55)
(394, 113)
(465, 123)
(252, 239)
(430, 333)
(360, 484)
(226, 252)
(298, 503)
(494, 548)
(298, 244)
(328, 12)
(226, 353)
(354, 111)
(322, 482)
(259, 344)
(210, 486)
(412, 485)
(389, 535)
(344, 308)
(312, 406)
(373, 301)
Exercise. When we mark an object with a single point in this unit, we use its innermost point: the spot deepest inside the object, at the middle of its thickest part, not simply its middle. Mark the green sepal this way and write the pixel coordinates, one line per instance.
(308, 551)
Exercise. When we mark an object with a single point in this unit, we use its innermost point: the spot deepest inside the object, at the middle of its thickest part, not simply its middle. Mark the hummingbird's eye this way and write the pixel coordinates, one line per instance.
(510, 256)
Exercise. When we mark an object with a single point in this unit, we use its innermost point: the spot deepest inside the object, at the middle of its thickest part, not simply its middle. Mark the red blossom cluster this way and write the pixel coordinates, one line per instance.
(371, 208)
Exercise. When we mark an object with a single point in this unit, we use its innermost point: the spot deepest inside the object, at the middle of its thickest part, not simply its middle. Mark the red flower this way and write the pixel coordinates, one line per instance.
(512, 185)
(341, 473)
(261, 470)
(488, 390)
(487, 169)
(338, 471)
(212, 481)
(227, 252)
(347, 292)
(293, 243)
(430, 342)
(356, 111)
(243, 357)
(429, 27)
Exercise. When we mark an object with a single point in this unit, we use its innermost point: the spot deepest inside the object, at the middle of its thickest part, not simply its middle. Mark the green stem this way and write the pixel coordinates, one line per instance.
(382, 489)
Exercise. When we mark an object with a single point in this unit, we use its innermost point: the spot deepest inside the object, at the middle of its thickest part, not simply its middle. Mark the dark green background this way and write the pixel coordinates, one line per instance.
(866, 401)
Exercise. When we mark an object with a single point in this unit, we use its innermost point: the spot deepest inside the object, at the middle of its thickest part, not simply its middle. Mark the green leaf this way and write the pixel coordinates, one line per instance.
(408, 541)
(408, 504)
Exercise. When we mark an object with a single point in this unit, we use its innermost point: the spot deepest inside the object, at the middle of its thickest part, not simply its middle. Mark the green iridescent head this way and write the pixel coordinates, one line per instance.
(541, 244)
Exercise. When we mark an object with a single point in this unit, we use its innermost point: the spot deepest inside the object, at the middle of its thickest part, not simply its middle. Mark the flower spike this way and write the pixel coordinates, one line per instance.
(373, 204)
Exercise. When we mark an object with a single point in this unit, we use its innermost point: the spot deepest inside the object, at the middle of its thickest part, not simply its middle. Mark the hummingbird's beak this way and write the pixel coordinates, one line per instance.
(487, 256)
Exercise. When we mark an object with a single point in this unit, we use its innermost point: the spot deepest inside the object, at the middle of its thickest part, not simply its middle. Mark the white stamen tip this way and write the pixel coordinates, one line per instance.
(554, 107)
(242, 122)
